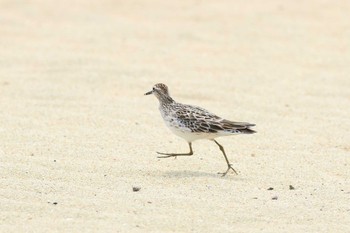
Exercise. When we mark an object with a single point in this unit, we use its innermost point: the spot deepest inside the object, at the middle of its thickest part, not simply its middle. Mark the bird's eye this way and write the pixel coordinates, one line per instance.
(154, 89)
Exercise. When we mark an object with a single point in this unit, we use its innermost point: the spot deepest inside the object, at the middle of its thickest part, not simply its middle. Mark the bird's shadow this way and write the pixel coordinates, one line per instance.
(191, 174)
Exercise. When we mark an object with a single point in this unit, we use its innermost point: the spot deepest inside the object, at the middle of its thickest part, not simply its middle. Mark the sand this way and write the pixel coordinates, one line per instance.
(77, 134)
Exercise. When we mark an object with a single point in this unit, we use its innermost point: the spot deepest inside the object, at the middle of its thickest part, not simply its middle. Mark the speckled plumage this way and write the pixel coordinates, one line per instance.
(193, 123)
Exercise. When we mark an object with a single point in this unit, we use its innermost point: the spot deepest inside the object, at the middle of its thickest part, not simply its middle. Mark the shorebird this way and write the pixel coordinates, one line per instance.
(193, 123)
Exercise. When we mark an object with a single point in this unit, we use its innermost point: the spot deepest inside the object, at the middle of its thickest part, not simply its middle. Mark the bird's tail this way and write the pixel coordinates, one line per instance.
(247, 131)
(238, 127)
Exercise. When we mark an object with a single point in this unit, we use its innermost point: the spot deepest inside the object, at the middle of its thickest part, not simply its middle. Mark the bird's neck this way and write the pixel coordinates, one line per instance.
(165, 100)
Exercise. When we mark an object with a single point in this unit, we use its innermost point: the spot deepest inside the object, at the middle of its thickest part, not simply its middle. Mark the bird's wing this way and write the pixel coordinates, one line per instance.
(200, 120)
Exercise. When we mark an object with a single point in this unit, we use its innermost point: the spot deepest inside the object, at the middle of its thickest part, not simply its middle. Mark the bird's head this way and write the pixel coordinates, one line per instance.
(160, 90)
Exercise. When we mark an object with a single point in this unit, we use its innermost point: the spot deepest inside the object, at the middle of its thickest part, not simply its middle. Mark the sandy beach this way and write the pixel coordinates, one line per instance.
(77, 133)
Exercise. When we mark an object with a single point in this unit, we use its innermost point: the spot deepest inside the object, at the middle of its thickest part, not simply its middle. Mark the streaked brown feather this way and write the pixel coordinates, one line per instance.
(200, 120)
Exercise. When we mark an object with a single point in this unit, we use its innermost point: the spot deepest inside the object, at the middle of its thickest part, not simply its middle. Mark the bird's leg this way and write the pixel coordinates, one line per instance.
(168, 155)
(229, 166)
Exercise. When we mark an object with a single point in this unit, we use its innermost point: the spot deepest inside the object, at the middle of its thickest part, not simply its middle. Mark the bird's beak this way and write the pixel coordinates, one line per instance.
(149, 93)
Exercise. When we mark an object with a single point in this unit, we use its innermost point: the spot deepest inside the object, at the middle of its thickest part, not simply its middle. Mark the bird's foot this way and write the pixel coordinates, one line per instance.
(166, 155)
(228, 169)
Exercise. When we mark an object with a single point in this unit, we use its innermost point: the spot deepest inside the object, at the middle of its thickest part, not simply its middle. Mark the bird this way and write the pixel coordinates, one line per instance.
(194, 123)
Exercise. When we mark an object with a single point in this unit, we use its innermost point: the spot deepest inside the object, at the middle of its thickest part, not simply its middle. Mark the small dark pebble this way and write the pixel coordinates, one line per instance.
(270, 188)
(291, 187)
(55, 203)
(274, 198)
(149, 202)
(255, 198)
(55, 160)
(136, 189)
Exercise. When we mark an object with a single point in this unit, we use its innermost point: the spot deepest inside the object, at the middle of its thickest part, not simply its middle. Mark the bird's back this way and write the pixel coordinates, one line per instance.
(193, 119)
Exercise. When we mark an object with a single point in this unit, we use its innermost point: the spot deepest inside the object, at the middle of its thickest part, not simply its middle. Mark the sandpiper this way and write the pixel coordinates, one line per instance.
(192, 123)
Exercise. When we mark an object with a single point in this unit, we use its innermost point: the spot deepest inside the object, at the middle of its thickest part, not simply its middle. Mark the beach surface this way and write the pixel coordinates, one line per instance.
(77, 134)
